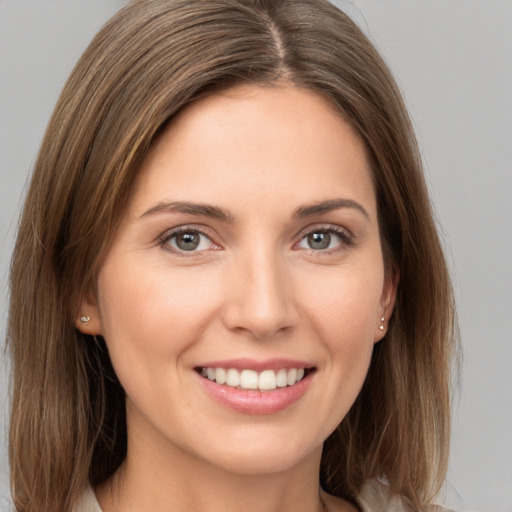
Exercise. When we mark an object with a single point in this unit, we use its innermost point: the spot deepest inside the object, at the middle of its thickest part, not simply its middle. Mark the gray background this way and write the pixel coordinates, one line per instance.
(452, 59)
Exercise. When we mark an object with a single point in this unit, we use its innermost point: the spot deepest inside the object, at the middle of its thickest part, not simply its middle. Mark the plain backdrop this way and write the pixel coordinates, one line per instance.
(453, 61)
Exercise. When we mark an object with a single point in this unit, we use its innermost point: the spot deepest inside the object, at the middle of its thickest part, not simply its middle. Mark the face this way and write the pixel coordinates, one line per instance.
(243, 292)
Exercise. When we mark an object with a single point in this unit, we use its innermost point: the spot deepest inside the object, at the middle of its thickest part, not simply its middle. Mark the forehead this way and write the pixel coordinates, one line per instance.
(256, 142)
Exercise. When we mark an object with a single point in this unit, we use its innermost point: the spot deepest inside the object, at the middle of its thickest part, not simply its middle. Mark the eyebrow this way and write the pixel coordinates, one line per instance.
(328, 206)
(205, 210)
(215, 212)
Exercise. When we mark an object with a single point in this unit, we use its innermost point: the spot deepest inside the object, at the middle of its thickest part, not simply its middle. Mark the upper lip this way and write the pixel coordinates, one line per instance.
(258, 366)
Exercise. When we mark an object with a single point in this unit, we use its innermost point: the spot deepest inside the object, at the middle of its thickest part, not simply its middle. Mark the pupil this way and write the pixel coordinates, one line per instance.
(187, 241)
(319, 240)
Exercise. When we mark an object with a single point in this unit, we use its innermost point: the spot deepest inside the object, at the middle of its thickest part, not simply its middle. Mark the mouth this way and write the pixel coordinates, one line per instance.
(248, 379)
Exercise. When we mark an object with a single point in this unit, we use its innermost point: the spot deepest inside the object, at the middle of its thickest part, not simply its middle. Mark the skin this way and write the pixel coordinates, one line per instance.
(254, 288)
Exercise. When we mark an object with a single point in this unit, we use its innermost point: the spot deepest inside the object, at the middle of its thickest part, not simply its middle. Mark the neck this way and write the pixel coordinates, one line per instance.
(187, 485)
(162, 476)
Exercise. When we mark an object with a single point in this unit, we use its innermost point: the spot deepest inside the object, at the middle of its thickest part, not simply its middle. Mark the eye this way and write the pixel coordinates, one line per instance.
(188, 240)
(319, 241)
(325, 239)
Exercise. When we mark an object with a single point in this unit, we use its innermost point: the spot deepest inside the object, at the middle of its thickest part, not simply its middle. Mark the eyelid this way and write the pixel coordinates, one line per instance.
(346, 238)
(345, 235)
(163, 239)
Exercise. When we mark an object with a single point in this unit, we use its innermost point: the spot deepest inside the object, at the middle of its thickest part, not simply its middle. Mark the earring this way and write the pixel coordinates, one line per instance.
(383, 319)
(84, 319)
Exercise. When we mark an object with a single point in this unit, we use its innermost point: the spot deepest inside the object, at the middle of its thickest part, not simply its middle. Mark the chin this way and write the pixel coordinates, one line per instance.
(263, 463)
(258, 453)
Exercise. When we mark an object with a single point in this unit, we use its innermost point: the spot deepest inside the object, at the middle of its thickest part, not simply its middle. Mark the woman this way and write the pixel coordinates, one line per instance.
(227, 287)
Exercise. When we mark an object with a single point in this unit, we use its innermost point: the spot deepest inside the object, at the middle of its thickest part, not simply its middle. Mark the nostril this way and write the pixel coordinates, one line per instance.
(260, 301)
(258, 323)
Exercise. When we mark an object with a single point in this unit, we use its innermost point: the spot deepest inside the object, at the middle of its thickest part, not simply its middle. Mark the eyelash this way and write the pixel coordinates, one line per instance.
(345, 237)
(164, 240)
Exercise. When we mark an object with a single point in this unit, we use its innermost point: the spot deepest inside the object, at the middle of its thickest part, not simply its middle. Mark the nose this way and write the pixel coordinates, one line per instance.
(260, 300)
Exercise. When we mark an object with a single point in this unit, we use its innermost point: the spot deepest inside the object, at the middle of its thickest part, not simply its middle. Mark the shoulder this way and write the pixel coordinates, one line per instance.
(376, 496)
(87, 502)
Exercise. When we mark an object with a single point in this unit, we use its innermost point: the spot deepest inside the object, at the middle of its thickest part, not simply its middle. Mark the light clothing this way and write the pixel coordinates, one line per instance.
(375, 497)
(87, 502)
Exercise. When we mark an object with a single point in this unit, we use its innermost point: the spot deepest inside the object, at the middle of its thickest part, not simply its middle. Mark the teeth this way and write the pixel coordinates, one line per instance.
(267, 380)
(232, 378)
(220, 376)
(292, 376)
(282, 378)
(250, 379)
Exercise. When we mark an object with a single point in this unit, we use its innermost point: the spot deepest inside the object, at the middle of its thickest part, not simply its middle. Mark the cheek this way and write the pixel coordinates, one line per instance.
(343, 310)
(345, 304)
(149, 316)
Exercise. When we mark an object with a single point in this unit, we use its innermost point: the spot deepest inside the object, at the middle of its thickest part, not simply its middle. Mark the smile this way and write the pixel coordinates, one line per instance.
(247, 379)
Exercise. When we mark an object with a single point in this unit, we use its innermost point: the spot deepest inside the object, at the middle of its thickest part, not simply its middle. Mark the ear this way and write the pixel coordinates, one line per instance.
(87, 317)
(387, 303)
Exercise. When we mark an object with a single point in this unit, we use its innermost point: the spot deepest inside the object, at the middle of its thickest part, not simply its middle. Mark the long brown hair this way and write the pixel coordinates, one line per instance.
(68, 424)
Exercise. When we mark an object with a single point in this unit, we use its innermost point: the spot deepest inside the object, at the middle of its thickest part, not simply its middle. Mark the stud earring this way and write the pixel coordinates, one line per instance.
(84, 319)
(383, 319)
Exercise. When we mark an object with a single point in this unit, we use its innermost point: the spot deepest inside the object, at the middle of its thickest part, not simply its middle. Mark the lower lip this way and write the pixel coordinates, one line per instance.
(255, 401)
